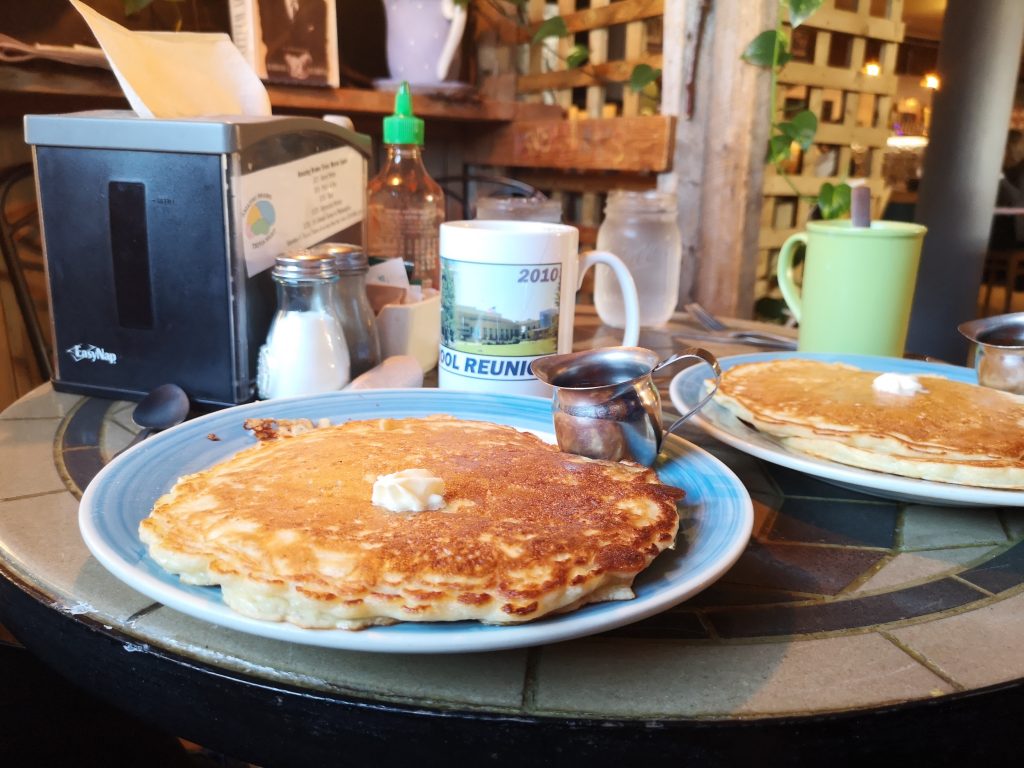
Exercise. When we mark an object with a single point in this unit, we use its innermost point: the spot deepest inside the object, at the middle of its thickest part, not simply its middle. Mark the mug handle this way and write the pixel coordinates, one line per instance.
(630, 302)
(784, 272)
(716, 369)
(457, 14)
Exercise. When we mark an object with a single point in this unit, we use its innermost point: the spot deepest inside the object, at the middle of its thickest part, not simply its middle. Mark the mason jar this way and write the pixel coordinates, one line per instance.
(641, 228)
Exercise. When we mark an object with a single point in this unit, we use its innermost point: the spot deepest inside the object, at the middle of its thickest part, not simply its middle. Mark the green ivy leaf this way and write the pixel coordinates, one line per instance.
(801, 128)
(800, 10)
(834, 200)
(577, 56)
(778, 149)
(131, 7)
(761, 51)
(553, 27)
(642, 76)
(825, 195)
(841, 199)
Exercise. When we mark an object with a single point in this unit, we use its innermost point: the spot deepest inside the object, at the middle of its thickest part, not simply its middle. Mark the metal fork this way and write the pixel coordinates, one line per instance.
(712, 323)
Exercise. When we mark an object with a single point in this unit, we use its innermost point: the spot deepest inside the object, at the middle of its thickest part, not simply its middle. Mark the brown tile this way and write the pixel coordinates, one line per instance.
(911, 567)
(976, 648)
(798, 568)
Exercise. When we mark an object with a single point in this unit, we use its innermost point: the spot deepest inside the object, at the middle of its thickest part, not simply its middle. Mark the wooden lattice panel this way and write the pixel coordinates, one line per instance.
(614, 136)
(828, 76)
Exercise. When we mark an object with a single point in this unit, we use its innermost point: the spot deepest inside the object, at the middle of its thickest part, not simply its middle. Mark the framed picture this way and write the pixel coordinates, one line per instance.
(288, 41)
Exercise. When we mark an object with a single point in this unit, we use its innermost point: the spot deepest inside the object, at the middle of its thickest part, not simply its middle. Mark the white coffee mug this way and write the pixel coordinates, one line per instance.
(508, 296)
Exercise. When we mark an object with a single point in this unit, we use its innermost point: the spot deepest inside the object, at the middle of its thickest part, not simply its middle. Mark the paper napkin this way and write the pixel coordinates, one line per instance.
(178, 74)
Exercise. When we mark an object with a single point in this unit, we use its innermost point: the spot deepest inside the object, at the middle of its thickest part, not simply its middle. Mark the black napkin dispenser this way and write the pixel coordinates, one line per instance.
(158, 237)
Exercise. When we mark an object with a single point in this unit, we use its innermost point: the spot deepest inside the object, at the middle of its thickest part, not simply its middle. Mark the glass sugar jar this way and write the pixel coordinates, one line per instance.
(357, 319)
(305, 352)
(642, 229)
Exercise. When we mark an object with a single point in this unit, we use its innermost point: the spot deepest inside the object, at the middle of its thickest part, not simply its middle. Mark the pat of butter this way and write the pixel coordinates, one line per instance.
(410, 490)
(897, 384)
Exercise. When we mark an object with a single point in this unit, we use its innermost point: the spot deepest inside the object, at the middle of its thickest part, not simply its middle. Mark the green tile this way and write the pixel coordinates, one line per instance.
(41, 403)
(1013, 519)
(48, 551)
(26, 457)
(699, 680)
(927, 527)
(452, 681)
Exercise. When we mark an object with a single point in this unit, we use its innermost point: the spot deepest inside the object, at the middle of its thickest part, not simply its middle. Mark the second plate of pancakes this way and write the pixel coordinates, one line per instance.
(723, 425)
(717, 518)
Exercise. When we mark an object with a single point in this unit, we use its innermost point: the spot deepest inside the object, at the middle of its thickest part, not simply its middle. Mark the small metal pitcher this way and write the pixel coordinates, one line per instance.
(997, 351)
(605, 403)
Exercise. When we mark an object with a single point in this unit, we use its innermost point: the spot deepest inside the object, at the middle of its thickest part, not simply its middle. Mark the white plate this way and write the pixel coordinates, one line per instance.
(717, 517)
(720, 423)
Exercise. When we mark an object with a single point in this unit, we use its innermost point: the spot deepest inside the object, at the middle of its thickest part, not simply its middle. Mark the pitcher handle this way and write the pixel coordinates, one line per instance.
(457, 14)
(705, 356)
(630, 301)
(784, 271)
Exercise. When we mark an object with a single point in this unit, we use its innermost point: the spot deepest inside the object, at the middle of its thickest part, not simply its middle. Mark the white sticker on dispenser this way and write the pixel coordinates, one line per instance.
(298, 204)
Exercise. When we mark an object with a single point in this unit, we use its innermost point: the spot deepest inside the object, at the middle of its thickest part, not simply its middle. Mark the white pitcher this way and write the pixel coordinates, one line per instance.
(423, 38)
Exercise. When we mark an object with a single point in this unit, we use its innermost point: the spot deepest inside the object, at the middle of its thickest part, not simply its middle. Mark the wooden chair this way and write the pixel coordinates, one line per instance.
(19, 243)
(1002, 266)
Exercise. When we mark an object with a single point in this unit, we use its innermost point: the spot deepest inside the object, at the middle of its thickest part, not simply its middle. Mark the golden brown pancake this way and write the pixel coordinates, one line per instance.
(951, 431)
(288, 531)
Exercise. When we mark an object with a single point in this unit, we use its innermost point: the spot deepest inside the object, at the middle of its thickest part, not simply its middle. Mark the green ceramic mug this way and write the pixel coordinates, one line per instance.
(857, 287)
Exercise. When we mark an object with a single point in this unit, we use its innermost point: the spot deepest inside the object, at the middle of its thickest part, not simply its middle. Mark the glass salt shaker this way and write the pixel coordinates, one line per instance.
(357, 318)
(305, 352)
(642, 229)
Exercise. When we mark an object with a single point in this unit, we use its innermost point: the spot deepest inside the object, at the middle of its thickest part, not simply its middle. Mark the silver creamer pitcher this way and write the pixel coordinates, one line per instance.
(605, 403)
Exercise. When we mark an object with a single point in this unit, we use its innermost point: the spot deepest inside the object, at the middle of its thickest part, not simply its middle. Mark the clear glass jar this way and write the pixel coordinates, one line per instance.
(357, 320)
(642, 229)
(535, 208)
(305, 352)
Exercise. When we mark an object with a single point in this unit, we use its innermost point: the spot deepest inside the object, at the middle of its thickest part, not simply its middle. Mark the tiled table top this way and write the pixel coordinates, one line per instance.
(842, 601)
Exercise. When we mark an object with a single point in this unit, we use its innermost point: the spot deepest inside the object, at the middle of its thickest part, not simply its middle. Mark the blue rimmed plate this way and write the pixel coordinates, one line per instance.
(716, 521)
(687, 386)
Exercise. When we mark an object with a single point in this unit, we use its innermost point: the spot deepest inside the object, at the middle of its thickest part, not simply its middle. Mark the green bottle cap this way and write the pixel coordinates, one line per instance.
(403, 127)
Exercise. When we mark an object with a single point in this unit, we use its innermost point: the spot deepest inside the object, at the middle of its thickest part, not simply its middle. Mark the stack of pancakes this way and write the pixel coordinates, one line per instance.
(288, 530)
(951, 431)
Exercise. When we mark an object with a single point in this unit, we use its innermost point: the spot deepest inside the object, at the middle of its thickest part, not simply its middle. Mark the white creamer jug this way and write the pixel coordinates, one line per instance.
(423, 38)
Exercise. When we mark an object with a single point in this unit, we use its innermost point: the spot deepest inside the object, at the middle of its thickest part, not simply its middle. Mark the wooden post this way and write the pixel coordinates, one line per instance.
(721, 135)
(978, 61)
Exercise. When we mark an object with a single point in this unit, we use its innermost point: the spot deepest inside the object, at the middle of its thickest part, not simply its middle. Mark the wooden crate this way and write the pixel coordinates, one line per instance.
(828, 76)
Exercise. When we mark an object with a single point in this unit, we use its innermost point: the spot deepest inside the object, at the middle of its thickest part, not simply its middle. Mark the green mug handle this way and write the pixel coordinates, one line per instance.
(784, 272)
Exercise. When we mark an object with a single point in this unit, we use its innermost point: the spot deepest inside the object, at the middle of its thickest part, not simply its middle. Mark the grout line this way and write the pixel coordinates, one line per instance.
(972, 585)
(925, 662)
(529, 699)
(38, 495)
(867, 575)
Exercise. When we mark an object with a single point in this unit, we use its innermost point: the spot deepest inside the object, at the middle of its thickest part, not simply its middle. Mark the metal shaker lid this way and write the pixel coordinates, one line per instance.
(349, 257)
(304, 264)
